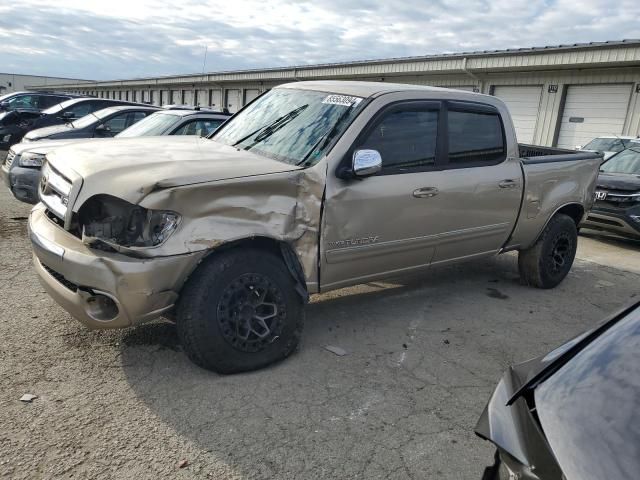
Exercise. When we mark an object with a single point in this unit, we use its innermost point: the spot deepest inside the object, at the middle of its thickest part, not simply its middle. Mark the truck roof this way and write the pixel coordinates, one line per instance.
(367, 89)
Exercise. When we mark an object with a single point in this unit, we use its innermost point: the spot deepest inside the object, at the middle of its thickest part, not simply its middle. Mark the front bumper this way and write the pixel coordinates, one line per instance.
(102, 289)
(23, 182)
(620, 222)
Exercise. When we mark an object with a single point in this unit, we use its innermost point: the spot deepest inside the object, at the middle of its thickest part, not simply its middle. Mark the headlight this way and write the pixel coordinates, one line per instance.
(114, 221)
(31, 159)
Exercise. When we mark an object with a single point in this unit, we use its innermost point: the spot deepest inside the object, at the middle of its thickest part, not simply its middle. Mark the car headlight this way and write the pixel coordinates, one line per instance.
(31, 159)
(115, 222)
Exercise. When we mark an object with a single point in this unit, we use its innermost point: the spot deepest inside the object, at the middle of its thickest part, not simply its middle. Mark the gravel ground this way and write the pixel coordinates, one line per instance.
(423, 356)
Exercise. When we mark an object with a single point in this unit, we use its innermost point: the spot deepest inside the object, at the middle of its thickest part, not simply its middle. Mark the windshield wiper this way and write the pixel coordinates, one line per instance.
(265, 132)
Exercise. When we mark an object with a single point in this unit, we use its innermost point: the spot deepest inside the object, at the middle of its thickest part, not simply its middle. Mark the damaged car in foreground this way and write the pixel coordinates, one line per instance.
(573, 413)
(312, 187)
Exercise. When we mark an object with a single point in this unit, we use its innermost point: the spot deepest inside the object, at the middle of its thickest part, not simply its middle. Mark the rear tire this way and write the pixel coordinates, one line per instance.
(239, 311)
(549, 260)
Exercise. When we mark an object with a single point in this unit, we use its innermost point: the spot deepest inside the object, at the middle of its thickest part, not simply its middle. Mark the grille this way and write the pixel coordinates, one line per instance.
(54, 191)
(60, 278)
(8, 161)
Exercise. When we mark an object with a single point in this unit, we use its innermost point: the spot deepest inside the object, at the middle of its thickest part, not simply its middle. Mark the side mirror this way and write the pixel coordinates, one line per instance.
(4, 105)
(68, 116)
(102, 130)
(366, 163)
(578, 147)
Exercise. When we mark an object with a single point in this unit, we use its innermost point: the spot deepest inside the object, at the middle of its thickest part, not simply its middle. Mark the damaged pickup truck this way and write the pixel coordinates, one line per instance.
(314, 186)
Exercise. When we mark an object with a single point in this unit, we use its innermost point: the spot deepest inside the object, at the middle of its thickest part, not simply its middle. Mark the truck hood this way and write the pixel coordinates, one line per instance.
(48, 131)
(131, 168)
(619, 181)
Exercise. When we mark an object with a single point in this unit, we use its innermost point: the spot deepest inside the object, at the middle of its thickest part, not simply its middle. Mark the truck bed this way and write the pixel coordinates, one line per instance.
(532, 154)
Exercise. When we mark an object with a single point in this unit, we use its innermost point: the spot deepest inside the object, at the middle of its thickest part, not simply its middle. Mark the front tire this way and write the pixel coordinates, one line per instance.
(549, 260)
(239, 311)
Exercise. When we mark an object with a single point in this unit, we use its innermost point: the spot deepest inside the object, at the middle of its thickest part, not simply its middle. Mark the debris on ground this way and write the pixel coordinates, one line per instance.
(446, 341)
(337, 350)
(183, 463)
(28, 397)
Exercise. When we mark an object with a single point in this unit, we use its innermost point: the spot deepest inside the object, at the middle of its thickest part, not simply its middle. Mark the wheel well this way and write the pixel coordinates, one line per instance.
(573, 210)
(282, 250)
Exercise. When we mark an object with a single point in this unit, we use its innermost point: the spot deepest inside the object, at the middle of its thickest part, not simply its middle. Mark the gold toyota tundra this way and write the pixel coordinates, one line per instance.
(312, 187)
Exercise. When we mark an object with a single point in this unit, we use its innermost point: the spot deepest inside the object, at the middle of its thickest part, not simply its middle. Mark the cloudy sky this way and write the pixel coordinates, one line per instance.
(126, 39)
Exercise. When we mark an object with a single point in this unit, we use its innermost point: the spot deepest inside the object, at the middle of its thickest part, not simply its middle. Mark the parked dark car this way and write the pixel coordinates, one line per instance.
(14, 124)
(14, 128)
(32, 100)
(104, 123)
(617, 206)
(572, 414)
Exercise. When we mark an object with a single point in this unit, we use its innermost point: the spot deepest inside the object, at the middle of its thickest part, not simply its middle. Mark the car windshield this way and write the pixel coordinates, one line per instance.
(60, 106)
(154, 125)
(627, 161)
(606, 144)
(290, 125)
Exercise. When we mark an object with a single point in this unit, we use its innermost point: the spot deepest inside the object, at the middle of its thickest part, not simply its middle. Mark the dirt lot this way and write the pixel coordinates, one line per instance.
(423, 357)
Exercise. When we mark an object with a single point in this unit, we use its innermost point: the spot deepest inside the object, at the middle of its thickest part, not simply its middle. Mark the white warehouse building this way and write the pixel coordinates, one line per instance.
(15, 82)
(558, 96)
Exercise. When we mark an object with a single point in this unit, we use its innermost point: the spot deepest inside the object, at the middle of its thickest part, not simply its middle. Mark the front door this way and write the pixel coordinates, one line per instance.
(382, 224)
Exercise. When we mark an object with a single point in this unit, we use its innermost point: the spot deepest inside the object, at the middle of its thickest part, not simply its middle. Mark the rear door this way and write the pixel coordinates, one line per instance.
(479, 188)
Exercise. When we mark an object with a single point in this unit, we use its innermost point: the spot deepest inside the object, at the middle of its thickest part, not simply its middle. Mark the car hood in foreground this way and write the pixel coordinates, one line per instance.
(585, 395)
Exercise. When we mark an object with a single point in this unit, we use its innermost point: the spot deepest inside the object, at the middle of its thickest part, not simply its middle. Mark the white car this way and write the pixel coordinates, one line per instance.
(607, 144)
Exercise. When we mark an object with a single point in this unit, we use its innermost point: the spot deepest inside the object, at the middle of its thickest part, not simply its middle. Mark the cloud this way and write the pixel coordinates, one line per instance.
(119, 39)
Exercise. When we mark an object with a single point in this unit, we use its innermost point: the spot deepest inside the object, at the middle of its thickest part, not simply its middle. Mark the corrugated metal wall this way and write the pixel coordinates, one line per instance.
(553, 70)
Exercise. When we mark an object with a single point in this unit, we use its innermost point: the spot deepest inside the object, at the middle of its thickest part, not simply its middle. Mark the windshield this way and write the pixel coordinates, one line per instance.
(153, 125)
(623, 162)
(606, 144)
(293, 126)
(59, 106)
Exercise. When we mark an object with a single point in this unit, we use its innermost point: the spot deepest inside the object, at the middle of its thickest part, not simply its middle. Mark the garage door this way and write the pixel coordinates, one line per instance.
(591, 111)
(233, 102)
(202, 98)
(523, 104)
(250, 94)
(216, 100)
(188, 97)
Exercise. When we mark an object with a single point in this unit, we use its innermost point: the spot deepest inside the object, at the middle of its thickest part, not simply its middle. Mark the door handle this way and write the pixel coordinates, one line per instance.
(509, 183)
(426, 192)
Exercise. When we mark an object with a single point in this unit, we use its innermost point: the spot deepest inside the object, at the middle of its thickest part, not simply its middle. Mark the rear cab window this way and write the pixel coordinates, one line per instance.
(475, 135)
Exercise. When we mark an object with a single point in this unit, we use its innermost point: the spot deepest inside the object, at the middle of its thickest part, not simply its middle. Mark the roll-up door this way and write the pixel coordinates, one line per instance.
(232, 101)
(591, 111)
(523, 103)
(251, 94)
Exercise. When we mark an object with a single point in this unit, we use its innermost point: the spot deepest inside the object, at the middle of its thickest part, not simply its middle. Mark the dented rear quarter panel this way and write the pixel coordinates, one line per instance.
(549, 186)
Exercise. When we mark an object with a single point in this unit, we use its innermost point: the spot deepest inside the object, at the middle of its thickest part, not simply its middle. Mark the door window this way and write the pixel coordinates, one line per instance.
(475, 138)
(405, 138)
(200, 127)
(116, 124)
(79, 110)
